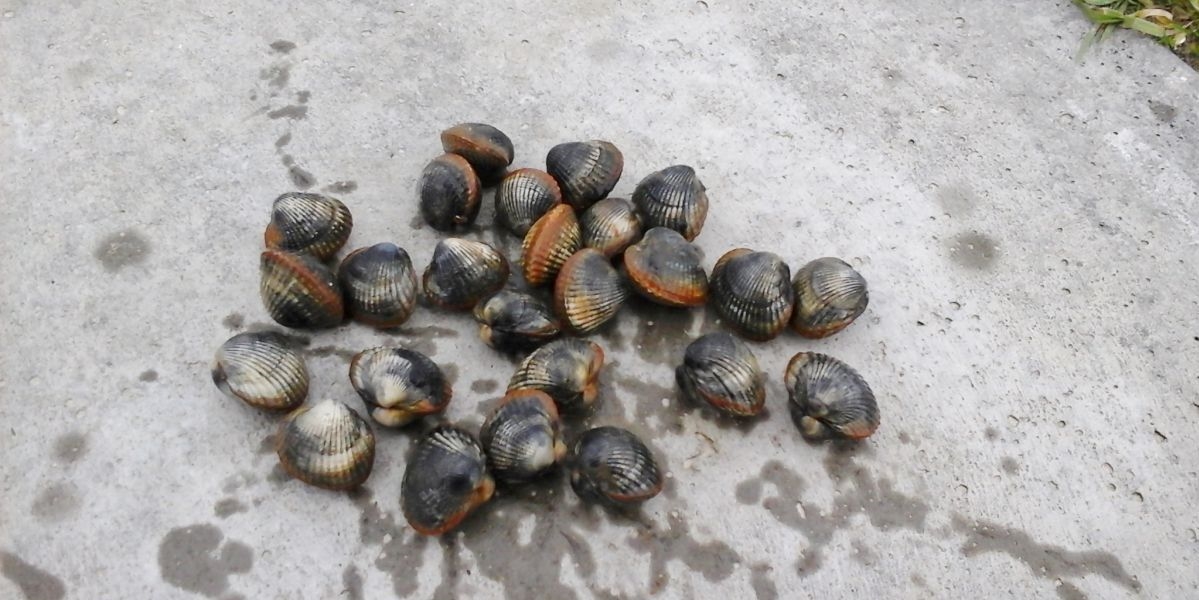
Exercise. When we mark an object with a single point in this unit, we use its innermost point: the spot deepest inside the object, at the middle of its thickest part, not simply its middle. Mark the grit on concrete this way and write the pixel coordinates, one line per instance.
(1027, 224)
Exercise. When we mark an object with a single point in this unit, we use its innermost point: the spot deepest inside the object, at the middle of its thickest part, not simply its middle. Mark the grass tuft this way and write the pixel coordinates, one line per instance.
(1173, 23)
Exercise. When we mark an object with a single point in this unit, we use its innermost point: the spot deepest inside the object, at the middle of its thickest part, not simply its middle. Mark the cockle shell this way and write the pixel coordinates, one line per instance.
(327, 445)
(613, 466)
(523, 197)
(308, 223)
(829, 399)
(586, 171)
(720, 370)
(449, 193)
(262, 370)
(379, 284)
(665, 268)
(399, 385)
(515, 322)
(462, 272)
(299, 291)
(548, 244)
(610, 226)
(829, 295)
(488, 150)
(673, 198)
(566, 369)
(752, 292)
(588, 292)
(446, 479)
(521, 437)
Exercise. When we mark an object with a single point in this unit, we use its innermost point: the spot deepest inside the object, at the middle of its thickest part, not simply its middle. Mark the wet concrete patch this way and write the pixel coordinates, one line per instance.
(402, 550)
(193, 558)
(715, 560)
(148, 376)
(764, 587)
(70, 447)
(34, 583)
(227, 507)
(1043, 560)
(57, 502)
(121, 249)
(283, 46)
(276, 76)
(957, 200)
(1009, 465)
(484, 386)
(233, 321)
(974, 251)
(351, 583)
(341, 187)
(294, 112)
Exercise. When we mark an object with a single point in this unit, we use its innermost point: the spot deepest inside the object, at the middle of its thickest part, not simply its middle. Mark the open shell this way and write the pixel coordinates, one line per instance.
(588, 292)
(488, 150)
(298, 291)
(613, 466)
(752, 292)
(515, 322)
(829, 399)
(308, 223)
(262, 370)
(445, 481)
(327, 445)
(521, 437)
(567, 369)
(462, 272)
(673, 198)
(379, 284)
(829, 295)
(523, 197)
(449, 193)
(720, 370)
(610, 226)
(548, 244)
(586, 171)
(399, 385)
(665, 268)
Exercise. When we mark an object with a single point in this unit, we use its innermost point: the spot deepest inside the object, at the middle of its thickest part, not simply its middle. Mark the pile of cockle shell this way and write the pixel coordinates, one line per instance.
(593, 252)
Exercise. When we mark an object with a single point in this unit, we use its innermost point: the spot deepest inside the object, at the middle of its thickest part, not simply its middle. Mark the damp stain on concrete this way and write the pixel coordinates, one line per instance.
(34, 583)
(484, 386)
(283, 46)
(233, 321)
(974, 251)
(762, 583)
(70, 447)
(121, 249)
(148, 376)
(227, 507)
(401, 550)
(341, 187)
(351, 583)
(293, 112)
(714, 560)
(1043, 560)
(1009, 465)
(957, 200)
(197, 558)
(56, 502)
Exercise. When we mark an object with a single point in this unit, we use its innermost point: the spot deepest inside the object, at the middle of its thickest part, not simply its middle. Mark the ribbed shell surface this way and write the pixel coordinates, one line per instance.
(327, 445)
(828, 398)
(298, 291)
(261, 369)
(445, 480)
(486, 148)
(588, 292)
(308, 223)
(673, 198)
(552, 240)
(720, 370)
(566, 369)
(449, 193)
(523, 197)
(515, 322)
(521, 437)
(586, 171)
(665, 268)
(379, 285)
(611, 465)
(752, 291)
(399, 385)
(462, 272)
(829, 295)
(610, 226)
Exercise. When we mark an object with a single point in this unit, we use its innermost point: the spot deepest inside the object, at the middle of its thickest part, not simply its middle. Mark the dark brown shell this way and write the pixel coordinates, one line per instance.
(588, 292)
(567, 369)
(523, 197)
(308, 223)
(462, 272)
(673, 198)
(298, 291)
(327, 445)
(548, 244)
(610, 226)
(261, 369)
(586, 171)
(720, 370)
(829, 399)
(399, 385)
(522, 437)
(829, 295)
(515, 322)
(449, 193)
(379, 284)
(752, 292)
(488, 150)
(613, 466)
(667, 269)
(446, 479)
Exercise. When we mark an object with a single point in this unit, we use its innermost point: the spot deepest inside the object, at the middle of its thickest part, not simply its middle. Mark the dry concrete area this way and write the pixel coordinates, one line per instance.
(1027, 224)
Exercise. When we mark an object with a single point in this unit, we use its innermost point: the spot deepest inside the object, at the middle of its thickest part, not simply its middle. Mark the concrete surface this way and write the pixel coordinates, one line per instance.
(1027, 224)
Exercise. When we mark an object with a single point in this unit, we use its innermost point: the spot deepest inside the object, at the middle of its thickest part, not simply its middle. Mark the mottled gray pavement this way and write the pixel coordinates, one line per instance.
(1027, 223)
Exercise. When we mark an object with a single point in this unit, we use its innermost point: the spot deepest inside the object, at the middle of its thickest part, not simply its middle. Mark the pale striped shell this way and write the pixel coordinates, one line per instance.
(829, 399)
(548, 244)
(308, 223)
(610, 226)
(446, 479)
(262, 370)
(752, 292)
(379, 284)
(523, 197)
(829, 295)
(613, 466)
(462, 272)
(399, 385)
(589, 292)
(515, 322)
(586, 171)
(720, 370)
(521, 436)
(298, 291)
(673, 198)
(327, 445)
(567, 369)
